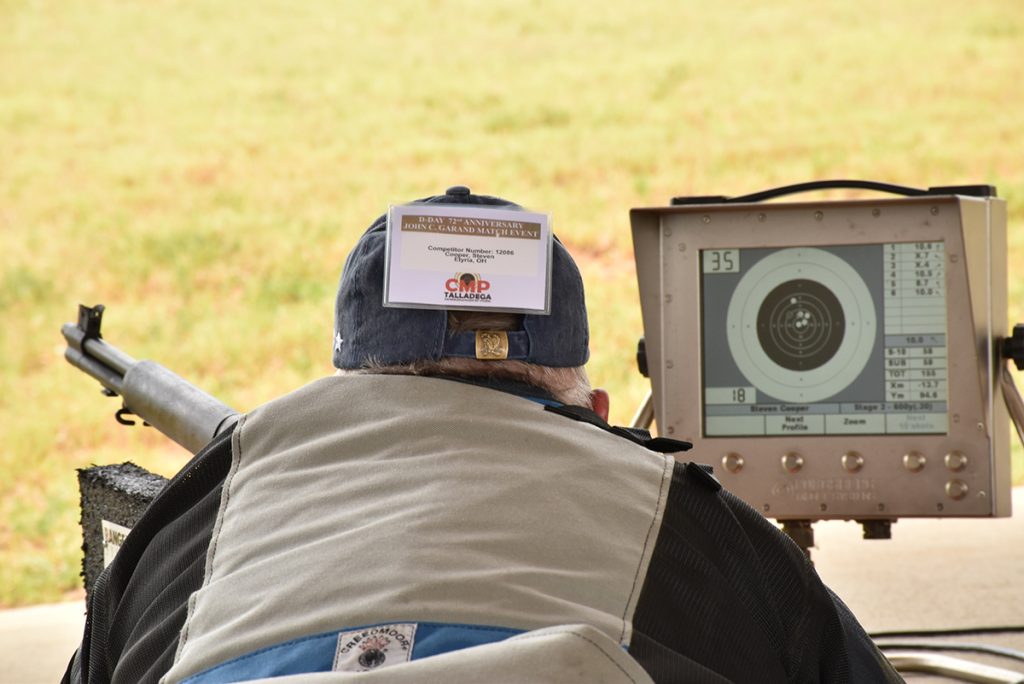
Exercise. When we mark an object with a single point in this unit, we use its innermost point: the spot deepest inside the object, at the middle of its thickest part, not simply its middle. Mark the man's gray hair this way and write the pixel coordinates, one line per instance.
(567, 385)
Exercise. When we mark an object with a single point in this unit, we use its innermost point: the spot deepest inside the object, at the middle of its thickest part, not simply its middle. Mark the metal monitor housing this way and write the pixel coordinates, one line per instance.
(962, 472)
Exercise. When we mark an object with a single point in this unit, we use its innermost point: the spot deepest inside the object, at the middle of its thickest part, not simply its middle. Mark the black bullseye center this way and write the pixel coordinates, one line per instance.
(800, 325)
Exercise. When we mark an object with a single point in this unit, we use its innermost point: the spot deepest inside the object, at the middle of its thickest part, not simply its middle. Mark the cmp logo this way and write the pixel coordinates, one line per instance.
(367, 649)
(467, 287)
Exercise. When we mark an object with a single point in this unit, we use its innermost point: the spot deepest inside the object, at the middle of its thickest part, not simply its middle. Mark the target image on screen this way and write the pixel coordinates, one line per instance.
(824, 340)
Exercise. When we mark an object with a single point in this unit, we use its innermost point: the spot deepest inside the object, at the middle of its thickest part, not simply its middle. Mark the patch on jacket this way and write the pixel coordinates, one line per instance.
(369, 648)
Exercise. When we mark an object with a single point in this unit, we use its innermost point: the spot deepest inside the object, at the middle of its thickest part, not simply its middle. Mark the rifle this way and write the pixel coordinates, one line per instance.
(164, 400)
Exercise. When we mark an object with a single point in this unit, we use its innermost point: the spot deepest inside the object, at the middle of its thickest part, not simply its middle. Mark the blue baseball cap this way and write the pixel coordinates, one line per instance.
(365, 330)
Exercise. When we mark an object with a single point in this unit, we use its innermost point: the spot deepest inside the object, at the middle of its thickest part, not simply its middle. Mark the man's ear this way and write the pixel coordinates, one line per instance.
(599, 402)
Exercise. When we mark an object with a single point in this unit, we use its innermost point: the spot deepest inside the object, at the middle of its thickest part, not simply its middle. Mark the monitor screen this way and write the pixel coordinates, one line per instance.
(832, 340)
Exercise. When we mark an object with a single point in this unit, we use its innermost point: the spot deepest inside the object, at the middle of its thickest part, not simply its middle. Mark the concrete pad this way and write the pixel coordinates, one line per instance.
(933, 573)
(36, 643)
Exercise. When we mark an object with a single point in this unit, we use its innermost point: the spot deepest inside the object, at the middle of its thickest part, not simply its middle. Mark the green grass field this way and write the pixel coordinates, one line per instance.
(203, 168)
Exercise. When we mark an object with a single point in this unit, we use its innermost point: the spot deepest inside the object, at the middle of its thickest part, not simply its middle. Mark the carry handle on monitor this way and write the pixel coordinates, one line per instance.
(840, 184)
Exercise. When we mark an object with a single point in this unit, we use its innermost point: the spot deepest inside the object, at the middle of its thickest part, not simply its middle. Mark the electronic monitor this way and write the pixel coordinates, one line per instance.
(831, 340)
(833, 359)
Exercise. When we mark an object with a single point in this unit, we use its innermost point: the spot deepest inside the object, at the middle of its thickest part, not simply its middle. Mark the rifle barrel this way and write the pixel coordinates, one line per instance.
(174, 406)
(94, 369)
(163, 399)
(115, 359)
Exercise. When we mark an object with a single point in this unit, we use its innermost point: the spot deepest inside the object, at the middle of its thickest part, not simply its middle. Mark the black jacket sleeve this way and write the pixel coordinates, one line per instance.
(729, 597)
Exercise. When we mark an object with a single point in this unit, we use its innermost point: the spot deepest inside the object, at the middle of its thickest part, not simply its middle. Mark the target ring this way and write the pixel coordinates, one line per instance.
(801, 325)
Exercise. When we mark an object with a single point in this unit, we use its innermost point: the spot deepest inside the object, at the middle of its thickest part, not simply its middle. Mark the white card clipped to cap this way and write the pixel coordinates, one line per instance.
(443, 256)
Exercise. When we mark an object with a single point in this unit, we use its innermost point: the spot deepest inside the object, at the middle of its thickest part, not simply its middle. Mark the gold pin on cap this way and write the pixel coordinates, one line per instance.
(491, 345)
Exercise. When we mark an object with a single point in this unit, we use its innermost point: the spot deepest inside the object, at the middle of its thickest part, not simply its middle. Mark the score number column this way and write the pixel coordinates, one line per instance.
(915, 334)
